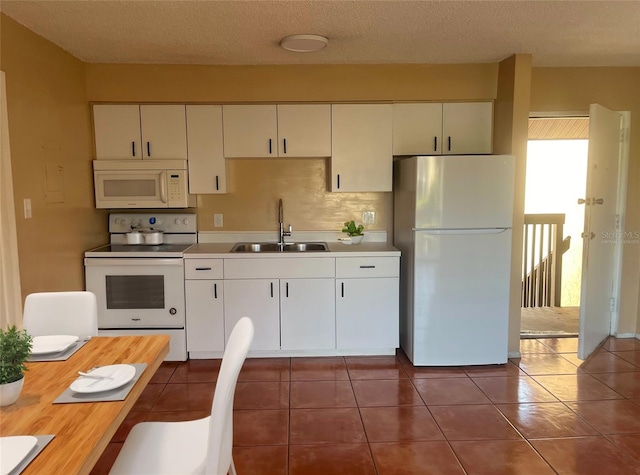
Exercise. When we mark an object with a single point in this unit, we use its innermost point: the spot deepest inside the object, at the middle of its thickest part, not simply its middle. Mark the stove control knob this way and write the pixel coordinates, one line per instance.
(117, 221)
(177, 221)
(185, 221)
(173, 311)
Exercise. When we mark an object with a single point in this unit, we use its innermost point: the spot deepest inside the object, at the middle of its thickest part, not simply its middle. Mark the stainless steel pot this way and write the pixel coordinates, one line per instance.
(135, 237)
(153, 237)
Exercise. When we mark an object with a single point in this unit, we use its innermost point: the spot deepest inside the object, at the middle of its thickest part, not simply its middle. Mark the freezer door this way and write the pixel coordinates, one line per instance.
(469, 191)
(461, 298)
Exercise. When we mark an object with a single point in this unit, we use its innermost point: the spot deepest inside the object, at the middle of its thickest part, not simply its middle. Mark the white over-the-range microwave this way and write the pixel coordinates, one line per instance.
(142, 184)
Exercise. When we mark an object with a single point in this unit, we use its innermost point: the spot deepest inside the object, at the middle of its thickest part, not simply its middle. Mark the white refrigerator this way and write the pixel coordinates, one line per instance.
(452, 221)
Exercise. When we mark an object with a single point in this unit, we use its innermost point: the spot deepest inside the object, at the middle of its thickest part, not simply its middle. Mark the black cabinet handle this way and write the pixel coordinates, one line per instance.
(449, 143)
(269, 146)
(217, 184)
(133, 149)
(287, 290)
(271, 289)
(338, 181)
(342, 285)
(284, 143)
(215, 291)
(148, 149)
(435, 144)
(203, 268)
(367, 267)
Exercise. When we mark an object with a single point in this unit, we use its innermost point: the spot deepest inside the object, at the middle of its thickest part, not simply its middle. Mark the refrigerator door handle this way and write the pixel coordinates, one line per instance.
(441, 232)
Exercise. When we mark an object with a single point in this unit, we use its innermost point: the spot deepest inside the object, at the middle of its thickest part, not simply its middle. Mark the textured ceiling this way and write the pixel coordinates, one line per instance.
(558, 128)
(556, 33)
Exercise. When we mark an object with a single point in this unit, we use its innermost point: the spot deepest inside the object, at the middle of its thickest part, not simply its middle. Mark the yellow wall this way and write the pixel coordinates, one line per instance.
(49, 124)
(572, 90)
(511, 119)
(302, 183)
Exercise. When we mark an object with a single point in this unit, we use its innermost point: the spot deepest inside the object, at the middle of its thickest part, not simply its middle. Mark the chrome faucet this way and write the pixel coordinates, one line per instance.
(283, 233)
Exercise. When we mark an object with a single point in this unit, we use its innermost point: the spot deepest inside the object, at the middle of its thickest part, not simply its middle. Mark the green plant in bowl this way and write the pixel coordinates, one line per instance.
(352, 230)
(15, 347)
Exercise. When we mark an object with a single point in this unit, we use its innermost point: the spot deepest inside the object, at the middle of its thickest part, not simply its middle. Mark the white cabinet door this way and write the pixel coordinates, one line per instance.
(307, 315)
(259, 300)
(250, 131)
(304, 130)
(467, 128)
(164, 131)
(417, 129)
(367, 313)
(205, 315)
(361, 147)
(117, 131)
(207, 166)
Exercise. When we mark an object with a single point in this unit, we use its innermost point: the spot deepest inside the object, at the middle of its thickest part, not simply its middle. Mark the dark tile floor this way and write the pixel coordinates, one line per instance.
(544, 413)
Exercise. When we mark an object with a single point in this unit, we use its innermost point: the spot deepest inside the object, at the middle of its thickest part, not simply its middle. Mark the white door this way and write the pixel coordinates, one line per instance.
(258, 299)
(599, 235)
(117, 131)
(164, 131)
(308, 314)
(304, 130)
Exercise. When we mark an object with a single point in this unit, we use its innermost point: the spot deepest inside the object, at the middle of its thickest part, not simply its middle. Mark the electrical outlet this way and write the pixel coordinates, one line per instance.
(217, 220)
(368, 217)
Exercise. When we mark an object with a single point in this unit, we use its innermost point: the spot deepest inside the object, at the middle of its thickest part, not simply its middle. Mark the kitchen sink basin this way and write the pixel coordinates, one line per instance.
(274, 247)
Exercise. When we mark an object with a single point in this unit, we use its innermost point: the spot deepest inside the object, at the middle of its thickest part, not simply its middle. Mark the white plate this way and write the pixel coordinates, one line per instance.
(52, 343)
(14, 450)
(115, 375)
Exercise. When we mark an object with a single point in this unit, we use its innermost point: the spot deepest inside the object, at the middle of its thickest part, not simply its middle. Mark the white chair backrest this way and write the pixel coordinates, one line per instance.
(61, 313)
(219, 455)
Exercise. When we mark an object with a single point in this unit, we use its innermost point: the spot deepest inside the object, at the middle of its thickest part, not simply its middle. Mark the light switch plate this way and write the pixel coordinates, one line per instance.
(217, 220)
(368, 217)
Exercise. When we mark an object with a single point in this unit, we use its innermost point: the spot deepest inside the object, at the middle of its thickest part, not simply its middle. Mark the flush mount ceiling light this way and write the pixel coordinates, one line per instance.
(304, 43)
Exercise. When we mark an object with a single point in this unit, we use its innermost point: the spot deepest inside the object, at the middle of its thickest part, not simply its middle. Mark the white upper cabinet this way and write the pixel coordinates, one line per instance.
(140, 131)
(117, 131)
(451, 128)
(467, 128)
(361, 145)
(207, 166)
(164, 131)
(304, 130)
(301, 130)
(417, 129)
(250, 131)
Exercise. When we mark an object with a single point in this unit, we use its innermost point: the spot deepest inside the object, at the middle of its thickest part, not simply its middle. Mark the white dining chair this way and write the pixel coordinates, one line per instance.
(61, 313)
(200, 446)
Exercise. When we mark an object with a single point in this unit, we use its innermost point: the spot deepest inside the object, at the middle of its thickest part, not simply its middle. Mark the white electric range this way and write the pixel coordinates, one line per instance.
(139, 287)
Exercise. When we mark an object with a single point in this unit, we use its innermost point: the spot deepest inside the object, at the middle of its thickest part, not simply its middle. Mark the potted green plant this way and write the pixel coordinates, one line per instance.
(353, 231)
(15, 347)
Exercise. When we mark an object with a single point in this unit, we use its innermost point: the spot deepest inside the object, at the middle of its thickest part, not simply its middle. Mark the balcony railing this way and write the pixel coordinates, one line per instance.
(542, 260)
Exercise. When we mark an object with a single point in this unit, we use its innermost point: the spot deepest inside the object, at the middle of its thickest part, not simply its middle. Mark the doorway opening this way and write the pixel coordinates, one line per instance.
(554, 221)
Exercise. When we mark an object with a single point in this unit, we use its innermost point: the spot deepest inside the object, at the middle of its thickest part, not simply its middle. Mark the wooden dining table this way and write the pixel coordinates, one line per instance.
(81, 430)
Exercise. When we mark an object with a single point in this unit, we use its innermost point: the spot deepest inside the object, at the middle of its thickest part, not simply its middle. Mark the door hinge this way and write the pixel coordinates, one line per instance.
(612, 304)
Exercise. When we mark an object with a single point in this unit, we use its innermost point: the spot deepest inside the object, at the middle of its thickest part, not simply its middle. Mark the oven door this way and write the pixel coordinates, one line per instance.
(137, 293)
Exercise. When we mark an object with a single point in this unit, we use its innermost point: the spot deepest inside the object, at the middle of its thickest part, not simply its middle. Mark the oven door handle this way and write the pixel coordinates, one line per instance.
(163, 186)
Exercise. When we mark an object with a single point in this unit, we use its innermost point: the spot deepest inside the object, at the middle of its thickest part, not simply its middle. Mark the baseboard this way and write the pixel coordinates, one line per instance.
(628, 335)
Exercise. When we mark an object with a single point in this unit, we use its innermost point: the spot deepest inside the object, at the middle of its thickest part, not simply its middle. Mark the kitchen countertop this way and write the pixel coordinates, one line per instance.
(336, 249)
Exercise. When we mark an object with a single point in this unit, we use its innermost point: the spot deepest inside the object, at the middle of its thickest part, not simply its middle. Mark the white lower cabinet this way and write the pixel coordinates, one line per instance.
(299, 306)
(258, 299)
(307, 314)
(367, 303)
(205, 315)
(367, 313)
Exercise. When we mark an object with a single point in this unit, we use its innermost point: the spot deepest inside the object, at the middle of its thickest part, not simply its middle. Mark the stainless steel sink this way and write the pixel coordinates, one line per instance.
(274, 247)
